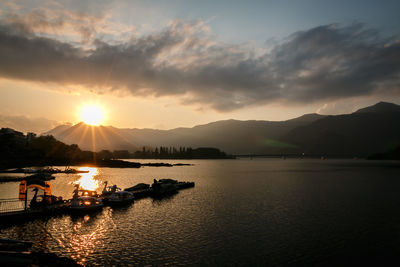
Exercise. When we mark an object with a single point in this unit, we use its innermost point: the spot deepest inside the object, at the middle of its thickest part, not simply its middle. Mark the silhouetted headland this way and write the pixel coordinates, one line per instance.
(19, 150)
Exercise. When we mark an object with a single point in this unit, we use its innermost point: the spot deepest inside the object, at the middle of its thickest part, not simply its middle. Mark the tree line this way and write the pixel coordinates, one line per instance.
(19, 150)
(164, 152)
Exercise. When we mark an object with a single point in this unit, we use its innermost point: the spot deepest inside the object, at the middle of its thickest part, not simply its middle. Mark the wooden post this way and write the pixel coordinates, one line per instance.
(26, 198)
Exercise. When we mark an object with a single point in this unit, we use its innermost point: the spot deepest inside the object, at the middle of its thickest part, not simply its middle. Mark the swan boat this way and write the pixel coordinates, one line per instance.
(114, 196)
(85, 201)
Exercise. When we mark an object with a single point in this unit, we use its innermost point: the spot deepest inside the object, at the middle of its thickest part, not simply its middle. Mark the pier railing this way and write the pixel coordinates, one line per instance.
(11, 204)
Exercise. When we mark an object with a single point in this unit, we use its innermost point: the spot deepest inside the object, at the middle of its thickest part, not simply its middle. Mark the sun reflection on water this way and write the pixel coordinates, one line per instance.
(86, 180)
(88, 235)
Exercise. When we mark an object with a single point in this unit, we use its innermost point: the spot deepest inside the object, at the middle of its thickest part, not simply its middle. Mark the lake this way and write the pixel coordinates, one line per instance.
(241, 212)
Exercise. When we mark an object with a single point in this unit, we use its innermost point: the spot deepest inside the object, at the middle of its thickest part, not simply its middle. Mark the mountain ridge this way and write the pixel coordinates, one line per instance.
(380, 107)
(313, 133)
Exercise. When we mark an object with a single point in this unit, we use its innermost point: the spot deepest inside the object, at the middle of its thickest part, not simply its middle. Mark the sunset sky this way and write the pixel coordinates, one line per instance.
(168, 64)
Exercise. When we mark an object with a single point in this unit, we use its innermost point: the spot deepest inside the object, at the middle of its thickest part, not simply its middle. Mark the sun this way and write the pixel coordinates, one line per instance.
(92, 115)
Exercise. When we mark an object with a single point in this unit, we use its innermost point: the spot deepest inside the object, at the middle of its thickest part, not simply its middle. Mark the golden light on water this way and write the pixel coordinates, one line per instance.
(87, 181)
(87, 235)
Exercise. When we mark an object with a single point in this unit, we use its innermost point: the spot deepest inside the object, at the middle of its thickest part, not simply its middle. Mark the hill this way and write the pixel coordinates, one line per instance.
(369, 130)
(232, 136)
(92, 138)
(381, 107)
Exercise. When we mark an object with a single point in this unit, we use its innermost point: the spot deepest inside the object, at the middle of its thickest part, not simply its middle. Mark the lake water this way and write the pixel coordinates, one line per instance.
(241, 212)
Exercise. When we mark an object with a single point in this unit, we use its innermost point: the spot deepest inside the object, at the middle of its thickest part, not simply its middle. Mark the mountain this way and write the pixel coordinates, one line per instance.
(93, 138)
(381, 107)
(369, 130)
(232, 136)
(60, 128)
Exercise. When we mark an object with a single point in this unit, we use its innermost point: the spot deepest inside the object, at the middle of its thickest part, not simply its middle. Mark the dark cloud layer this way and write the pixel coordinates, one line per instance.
(323, 63)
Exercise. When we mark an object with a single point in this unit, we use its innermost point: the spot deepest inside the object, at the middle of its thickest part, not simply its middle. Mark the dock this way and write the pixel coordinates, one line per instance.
(13, 210)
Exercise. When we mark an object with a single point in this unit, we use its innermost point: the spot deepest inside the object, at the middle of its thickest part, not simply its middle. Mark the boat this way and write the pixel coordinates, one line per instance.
(45, 202)
(19, 209)
(140, 186)
(84, 201)
(86, 204)
(88, 193)
(159, 188)
(119, 198)
(114, 196)
(164, 187)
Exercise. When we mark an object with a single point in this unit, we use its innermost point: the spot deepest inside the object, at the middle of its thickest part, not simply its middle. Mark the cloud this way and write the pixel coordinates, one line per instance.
(62, 24)
(185, 60)
(27, 124)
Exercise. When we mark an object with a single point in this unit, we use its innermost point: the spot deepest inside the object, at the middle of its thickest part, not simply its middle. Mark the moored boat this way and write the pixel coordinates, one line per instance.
(86, 204)
(164, 187)
(114, 196)
(84, 201)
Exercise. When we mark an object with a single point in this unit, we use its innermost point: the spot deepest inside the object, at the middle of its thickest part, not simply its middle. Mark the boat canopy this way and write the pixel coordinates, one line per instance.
(90, 193)
(33, 183)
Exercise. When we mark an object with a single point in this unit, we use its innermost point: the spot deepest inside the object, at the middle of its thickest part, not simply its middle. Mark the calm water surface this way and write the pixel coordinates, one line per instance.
(241, 212)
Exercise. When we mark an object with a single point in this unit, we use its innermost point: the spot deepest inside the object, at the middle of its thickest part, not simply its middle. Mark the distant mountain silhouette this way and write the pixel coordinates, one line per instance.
(60, 128)
(368, 130)
(230, 135)
(93, 138)
(381, 107)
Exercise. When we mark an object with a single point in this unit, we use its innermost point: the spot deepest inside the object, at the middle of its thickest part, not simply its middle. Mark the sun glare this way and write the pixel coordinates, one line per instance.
(92, 115)
(86, 180)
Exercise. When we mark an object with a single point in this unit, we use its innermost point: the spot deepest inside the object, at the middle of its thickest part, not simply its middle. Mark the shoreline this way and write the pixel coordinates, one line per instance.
(115, 163)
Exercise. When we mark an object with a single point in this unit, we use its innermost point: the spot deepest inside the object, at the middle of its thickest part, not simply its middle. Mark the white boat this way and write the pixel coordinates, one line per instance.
(86, 204)
(114, 196)
(85, 201)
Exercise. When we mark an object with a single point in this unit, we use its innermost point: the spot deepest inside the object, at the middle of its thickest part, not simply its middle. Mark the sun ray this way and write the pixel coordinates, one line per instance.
(93, 144)
(83, 135)
(120, 135)
(72, 132)
(104, 137)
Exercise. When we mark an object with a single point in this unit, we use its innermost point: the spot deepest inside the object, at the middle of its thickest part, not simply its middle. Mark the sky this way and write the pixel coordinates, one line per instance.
(168, 64)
